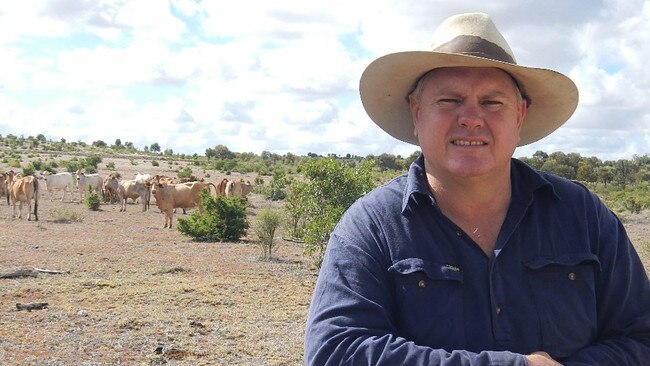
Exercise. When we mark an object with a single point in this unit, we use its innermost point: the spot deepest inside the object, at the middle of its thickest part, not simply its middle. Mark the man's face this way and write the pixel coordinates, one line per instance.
(467, 121)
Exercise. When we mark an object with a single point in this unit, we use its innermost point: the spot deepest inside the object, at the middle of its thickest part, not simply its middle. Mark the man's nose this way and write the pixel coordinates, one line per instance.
(470, 115)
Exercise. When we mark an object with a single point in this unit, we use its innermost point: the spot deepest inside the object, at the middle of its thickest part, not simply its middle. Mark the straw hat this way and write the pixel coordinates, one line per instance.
(464, 40)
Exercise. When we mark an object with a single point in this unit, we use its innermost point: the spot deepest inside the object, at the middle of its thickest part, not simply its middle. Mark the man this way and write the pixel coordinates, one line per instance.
(472, 257)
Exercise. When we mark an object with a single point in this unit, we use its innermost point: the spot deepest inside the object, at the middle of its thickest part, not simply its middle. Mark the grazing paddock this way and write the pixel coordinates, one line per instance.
(133, 293)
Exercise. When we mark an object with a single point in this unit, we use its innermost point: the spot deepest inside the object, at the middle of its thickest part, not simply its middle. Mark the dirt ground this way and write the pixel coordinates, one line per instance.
(133, 293)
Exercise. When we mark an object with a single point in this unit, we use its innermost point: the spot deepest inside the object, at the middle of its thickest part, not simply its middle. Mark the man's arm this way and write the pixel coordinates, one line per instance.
(623, 295)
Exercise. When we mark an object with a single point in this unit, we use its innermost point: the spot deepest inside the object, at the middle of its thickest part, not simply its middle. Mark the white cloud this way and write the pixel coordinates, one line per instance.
(282, 76)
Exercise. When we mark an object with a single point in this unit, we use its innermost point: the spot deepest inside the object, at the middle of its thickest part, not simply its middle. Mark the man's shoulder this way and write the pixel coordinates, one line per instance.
(390, 192)
(562, 187)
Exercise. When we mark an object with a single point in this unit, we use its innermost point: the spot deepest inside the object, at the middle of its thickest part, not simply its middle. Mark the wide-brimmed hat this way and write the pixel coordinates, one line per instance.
(470, 40)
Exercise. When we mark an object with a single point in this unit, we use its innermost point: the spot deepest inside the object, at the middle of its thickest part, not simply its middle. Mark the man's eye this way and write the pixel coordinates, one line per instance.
(448, 101)
(491, 103)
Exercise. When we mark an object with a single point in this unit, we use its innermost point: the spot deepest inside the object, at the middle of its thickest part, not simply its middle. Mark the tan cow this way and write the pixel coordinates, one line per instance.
(242, 188)
(221, 187)
(23, 190)
(4, 190)
(238, 188)
(134, 189)
(111, 188)
(182, 195)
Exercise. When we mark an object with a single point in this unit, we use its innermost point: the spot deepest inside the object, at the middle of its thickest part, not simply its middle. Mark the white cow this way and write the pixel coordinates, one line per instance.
(59, 181)
(94, 181)
(134, 189)
(142, 177)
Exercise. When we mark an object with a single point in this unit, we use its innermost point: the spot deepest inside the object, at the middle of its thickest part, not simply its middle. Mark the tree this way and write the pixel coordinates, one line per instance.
(317, 202)
(554, 167)
(222, 152)
(586, 172)
(605, 174)
(268, 221)
(155, 147)
(388, 162)
(99, 143)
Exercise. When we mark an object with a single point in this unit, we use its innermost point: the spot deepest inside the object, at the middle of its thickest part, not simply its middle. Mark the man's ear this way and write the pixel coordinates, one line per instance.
(414, 106)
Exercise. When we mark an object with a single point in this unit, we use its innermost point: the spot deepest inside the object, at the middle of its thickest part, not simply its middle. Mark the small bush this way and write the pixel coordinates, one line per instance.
(29, 170)
(268, 221)
(155, 163)
(65, 216)
(185, 172)
(110, 165)
(92, 200)
(222, 219)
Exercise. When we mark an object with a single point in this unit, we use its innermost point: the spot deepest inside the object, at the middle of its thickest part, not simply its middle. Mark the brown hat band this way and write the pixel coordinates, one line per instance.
(475, 46)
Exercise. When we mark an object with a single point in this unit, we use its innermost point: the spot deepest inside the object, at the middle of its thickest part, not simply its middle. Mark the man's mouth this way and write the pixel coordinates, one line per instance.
(468, 143)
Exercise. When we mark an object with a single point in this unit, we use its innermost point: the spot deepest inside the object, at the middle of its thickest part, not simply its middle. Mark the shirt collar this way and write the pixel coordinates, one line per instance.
(525, 182)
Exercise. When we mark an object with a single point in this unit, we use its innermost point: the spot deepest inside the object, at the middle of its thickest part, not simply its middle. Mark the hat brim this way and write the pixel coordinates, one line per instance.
(387, 81)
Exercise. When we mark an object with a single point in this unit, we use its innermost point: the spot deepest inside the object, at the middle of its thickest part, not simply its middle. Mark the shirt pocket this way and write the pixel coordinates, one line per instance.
(429, 302)
(564, 292)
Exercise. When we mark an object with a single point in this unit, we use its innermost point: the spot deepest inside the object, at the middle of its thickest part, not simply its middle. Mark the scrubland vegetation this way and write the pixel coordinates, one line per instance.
(309, 186)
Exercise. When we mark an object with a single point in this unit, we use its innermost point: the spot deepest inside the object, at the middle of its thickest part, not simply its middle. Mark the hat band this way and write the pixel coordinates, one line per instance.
(476, 46)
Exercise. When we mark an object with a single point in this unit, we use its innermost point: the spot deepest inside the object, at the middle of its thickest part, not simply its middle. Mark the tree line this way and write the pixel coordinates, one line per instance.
(310, 186)
(622, 172)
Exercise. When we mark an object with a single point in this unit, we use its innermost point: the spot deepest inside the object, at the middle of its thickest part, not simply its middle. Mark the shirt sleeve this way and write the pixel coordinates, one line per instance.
(623, 296)
(351, 323)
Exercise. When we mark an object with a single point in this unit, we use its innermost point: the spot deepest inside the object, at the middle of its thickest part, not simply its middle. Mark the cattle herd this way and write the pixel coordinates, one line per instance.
(169, 193)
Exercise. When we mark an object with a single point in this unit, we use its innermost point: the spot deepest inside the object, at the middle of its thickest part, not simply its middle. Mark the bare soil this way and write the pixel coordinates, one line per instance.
(133, 293)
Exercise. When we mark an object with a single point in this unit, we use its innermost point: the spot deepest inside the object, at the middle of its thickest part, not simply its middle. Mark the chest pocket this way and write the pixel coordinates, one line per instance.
(429, 302)
(564, 293)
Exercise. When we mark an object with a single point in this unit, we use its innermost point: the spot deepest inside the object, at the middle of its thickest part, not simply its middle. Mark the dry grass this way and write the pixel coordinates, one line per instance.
(137, 294)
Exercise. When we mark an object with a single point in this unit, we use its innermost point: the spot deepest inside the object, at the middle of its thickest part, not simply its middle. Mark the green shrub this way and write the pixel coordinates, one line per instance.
(110, 165)
(92, 200)
(29, 169)
(155, 163)
(185, 172)
(222, 219)
(268, 221)
(277, 186)
(316, 204)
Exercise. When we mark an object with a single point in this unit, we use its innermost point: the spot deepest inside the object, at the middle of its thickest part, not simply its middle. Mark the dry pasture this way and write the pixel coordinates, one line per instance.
(133, 293)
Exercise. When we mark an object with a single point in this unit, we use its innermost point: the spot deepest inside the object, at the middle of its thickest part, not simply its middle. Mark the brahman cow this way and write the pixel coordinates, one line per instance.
(182, 195)
(221, 187)
(94, 181)
(134, 189)
(111, 188)
(59, 181)
(23, 190)
(142, 177)
(4, 190)
(238, 188)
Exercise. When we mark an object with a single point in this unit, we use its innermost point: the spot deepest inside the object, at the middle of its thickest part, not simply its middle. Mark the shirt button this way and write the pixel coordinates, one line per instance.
(458, 233)
(572, 276)
(498, 310)
(422, 284)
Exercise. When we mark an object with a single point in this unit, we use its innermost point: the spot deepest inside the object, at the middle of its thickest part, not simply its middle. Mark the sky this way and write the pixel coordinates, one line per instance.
(283, 76)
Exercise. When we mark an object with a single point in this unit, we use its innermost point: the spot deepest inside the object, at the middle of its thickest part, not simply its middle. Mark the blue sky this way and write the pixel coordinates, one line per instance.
(282, 76)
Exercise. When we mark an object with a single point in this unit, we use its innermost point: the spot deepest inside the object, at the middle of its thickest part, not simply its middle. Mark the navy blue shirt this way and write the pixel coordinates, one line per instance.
(401, 284)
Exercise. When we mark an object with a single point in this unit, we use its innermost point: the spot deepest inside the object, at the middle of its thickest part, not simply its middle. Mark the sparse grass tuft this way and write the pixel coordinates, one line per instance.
(65, 216)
